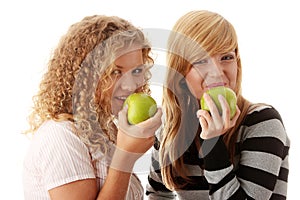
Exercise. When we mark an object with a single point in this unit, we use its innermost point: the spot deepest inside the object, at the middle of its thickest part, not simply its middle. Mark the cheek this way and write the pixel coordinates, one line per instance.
(113, 89)
(232, 75)
(194, 82)
(139, 80)
(110, 91)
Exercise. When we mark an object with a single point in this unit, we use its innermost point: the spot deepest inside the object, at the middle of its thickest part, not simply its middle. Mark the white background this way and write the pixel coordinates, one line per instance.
(269, 44)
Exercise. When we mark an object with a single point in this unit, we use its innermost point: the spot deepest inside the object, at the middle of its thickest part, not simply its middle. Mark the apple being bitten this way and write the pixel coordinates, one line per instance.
(141, 107)
(229, 95)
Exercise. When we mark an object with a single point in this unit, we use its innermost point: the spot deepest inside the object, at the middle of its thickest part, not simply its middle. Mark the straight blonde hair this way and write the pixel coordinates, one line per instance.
(194, 33)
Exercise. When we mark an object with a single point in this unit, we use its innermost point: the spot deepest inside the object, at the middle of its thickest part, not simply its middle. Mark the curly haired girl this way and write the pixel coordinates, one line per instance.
(82, 145)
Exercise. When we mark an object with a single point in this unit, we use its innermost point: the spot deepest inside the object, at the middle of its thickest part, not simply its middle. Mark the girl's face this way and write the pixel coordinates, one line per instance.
(128, 75)
(217, 70)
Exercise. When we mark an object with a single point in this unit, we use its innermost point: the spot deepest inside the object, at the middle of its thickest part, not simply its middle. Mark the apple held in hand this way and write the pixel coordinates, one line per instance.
(141, 107)
(229, 95)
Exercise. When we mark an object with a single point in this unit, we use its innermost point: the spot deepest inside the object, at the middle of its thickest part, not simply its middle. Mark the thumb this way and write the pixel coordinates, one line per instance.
(122, 116)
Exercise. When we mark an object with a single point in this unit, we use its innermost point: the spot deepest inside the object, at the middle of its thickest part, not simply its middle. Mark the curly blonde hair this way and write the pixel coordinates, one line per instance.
(75, 86)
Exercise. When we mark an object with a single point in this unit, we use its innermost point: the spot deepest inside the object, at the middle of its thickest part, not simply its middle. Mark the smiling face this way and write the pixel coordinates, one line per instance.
(128, 75)
(217, 70)
(204, 50)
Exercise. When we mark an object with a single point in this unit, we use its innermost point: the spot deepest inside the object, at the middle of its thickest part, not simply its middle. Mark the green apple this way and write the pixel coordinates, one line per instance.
(229, 95)
(141, 107)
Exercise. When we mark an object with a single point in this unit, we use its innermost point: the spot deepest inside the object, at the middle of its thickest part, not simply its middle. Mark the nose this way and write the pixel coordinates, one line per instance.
(215, 72)
(128, 82)
(216, 69)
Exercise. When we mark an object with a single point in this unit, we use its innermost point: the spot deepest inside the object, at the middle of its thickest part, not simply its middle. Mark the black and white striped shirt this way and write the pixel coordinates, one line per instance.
(260, 168)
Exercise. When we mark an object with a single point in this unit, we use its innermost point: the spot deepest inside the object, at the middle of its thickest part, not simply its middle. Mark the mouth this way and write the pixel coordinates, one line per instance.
(216, 85)
(121, 98)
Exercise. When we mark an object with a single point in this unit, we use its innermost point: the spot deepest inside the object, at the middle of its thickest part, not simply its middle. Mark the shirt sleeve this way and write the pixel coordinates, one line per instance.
(63, 157)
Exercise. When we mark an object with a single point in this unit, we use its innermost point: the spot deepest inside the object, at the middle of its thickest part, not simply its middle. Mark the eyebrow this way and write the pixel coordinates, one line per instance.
(118, 66)
(141, 65)
(121, 67)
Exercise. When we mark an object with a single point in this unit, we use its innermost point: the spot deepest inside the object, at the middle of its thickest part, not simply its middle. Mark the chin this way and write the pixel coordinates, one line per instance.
(116, 109)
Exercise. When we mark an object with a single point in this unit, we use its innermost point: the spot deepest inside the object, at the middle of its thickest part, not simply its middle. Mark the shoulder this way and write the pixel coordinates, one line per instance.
(55, 126)
(55, 130)
(57, 155)
(263, 121)
(56, 141)
(260, 113)
(55, 136)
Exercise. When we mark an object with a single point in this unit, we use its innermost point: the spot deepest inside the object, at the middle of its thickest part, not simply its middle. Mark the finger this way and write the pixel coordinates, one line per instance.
(143, 129)
(146, 128)
(205, 116)
(212, 107)
(236, 116)
(122, 115)
(202, 113)
(225, 110)
(157, 117)
(146, 132)
(203, 124)
(152, 122)
(125, 127)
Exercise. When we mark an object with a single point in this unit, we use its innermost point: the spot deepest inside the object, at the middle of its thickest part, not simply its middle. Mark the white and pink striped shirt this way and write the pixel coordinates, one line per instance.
(57, 156)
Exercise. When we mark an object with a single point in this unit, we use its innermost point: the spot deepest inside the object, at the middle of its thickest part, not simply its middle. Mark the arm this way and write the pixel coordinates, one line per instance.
(82, 189)
(115, 186)
(132, 142)
(116, 181)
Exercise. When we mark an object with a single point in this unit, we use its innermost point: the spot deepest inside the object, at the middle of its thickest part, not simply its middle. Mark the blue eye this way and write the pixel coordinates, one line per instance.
(201, 62)
(228, 57)
(137, 71)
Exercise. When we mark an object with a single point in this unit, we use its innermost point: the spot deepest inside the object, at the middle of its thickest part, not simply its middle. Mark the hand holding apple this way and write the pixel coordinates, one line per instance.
(229, 95)
(133, 140)
(141, 107)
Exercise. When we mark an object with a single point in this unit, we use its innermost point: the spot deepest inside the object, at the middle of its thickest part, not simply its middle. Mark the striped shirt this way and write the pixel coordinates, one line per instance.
(57, 156)
(260, 168)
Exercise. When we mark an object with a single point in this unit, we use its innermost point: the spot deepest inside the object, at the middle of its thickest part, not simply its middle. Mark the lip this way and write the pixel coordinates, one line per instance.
(117, 103)
(216, 85)
(121, 97)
